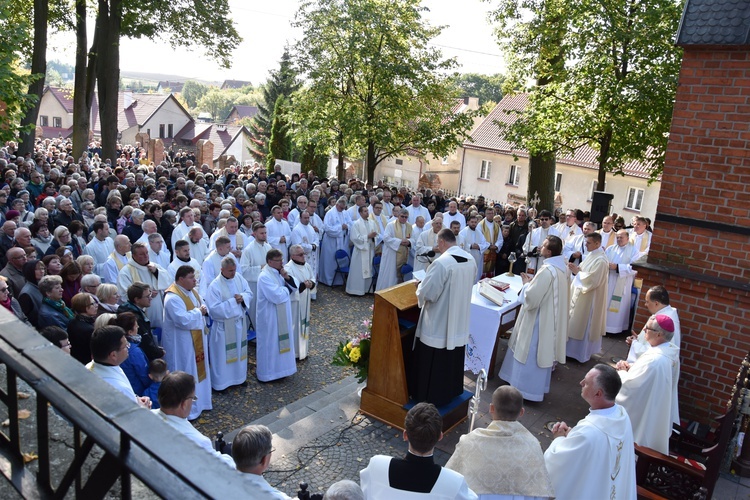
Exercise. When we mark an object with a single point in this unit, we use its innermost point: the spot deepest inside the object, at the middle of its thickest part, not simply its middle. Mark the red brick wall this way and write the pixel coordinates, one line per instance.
(707, 177)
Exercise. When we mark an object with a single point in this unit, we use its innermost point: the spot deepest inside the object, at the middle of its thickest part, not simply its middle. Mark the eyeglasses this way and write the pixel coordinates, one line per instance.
(5, 290)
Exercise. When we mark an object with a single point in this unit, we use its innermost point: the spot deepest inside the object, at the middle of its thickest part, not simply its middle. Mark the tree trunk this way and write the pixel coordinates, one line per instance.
(38, 67)
(108, 23)
(604, 145)
(542, 180)
(85, 80)
(340, 166)
(371, 162)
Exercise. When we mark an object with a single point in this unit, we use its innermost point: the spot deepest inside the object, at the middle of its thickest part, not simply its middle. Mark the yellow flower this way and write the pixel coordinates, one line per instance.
(355, 355)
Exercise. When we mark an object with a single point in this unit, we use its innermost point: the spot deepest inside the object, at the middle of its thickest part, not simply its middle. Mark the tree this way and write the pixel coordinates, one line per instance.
(370, 61)
(488, 88)
(14, 83)
(281, 83)
(38, 67)
(192, 91)
(217, 102)
(280, 147)
(618, 85)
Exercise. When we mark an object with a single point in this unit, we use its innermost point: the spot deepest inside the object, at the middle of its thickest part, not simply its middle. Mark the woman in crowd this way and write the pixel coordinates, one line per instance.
(136, 365)
(114, 204)
(81, 327)
(77, 230)
(71, 276)
(9, 302)
(109, 298)
(53, 264)
(86, 263)
(30, 297)
(62, 239)
(40, 236)
(53, 311)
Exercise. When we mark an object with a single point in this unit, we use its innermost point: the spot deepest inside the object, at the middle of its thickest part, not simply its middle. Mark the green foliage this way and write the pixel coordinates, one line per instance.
(280, 147)
(14, 82)
(608, 76)
(374, 82)
(281, 83)
(192, 91)
(488, 88)
(216, 102)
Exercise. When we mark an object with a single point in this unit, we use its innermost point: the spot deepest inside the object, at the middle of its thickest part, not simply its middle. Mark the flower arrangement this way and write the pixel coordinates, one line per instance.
(356, 352)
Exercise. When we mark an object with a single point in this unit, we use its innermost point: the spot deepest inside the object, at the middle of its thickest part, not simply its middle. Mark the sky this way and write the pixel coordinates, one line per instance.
(266, 28)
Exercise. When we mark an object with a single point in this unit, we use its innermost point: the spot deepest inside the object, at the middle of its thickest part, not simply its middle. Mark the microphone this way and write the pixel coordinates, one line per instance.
(431, 253)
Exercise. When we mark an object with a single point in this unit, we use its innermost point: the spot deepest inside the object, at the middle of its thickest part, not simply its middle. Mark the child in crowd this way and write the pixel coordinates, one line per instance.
(157, 370)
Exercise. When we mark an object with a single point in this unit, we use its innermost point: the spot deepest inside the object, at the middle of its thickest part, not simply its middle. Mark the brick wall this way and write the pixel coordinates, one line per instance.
(706, 267)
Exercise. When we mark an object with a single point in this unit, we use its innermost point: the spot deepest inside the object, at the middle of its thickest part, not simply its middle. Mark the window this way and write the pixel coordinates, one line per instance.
(445, 160)
(635, 198)
(515, 175)
(558, 181)
(170, 131)
(399, 161)
(595, 187)
(44, 121)
(161, 131)
(484, 170)
(57, 122)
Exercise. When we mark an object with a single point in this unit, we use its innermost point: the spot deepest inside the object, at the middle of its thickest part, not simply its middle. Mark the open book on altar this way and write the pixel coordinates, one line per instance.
(489, 292)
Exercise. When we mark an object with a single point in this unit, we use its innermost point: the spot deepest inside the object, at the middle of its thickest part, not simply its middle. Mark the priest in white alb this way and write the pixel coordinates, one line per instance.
(640, 237)
(380, 222)
(596, 458)
(396, 243)
(157, 250)
(362, 236)
(228, 299)
(608, 233)
(305, 236)
(336, 226)
(533, 244)
(649, 386)
(473, 242)
(494, 236)
(182, 257)
(656, 301)
(198, 245)
(212, 265)
(274, 323)
(101, 245)
(141, 269)
(116, 260)
(253, 261)
(540, 333)
(184, 336)
(231, 231)
(279, 232)
(621, 275)
(427, 242)
(305, 280)
(588, 301)
(187, 222)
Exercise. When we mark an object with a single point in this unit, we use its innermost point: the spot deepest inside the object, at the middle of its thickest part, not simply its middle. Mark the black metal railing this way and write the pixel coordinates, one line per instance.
(134, 443)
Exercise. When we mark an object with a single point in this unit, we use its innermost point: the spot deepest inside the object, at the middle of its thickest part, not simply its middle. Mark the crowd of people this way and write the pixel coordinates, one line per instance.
(148, 272)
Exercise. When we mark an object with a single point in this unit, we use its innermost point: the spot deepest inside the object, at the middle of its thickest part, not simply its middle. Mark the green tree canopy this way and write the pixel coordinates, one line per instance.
(374, 83)
(192, 91)
(488, 88)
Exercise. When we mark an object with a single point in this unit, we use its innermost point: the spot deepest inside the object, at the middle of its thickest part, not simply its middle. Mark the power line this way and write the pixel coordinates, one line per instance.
(466, 50)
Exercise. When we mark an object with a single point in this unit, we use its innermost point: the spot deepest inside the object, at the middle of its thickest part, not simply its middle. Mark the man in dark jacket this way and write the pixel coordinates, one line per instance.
(139, 298)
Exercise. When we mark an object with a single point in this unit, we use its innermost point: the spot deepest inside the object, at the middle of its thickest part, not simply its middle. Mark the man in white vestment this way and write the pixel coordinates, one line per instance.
(293, 216)
(649, 386)
(149, 227)
(608, 233)
(416, 230)
(116, 260)
(504, 460)
(568, 228)
(575, 247)
(182, 258)
(109, 348)
(657, 302)
(396, 244)
(380, 222)
(198, 245)
(426, 243)
(252, 262)
(337, 223)
(157, 250)
(416, 209)
(184, 336)
(443, 329)
(279, 232)
(100, 247)
(315, 221)
(416, 475)
(252, 448)
(621, 275)
(362, 236)
(176, 394)
(588, 301)
(304, 235)
(494, 236)
(540, 333)
(533, 244)
(387, 205)
(453, 215)
(353, 211)
(231, 231)
(212, 265)
(640, 237)
(473, 242)
(228, 300)
(304, 278)
(274, 323)
(596, 458)
(141, 269)
(187, 222)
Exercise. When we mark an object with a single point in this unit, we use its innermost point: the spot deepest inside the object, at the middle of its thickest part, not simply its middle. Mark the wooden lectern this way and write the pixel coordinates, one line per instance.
(386, 397)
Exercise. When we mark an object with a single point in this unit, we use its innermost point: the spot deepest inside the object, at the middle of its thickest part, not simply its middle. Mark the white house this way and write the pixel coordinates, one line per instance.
(490, 168)
(56, 112)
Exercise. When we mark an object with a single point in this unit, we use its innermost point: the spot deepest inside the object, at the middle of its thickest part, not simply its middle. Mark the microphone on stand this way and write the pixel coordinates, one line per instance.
(429, 254)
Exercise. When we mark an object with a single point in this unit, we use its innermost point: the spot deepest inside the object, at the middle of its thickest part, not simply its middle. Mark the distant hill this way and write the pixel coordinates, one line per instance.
(156, 77)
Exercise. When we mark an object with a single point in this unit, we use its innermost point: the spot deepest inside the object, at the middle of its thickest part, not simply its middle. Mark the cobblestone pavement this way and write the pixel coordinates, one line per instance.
(335, 317)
